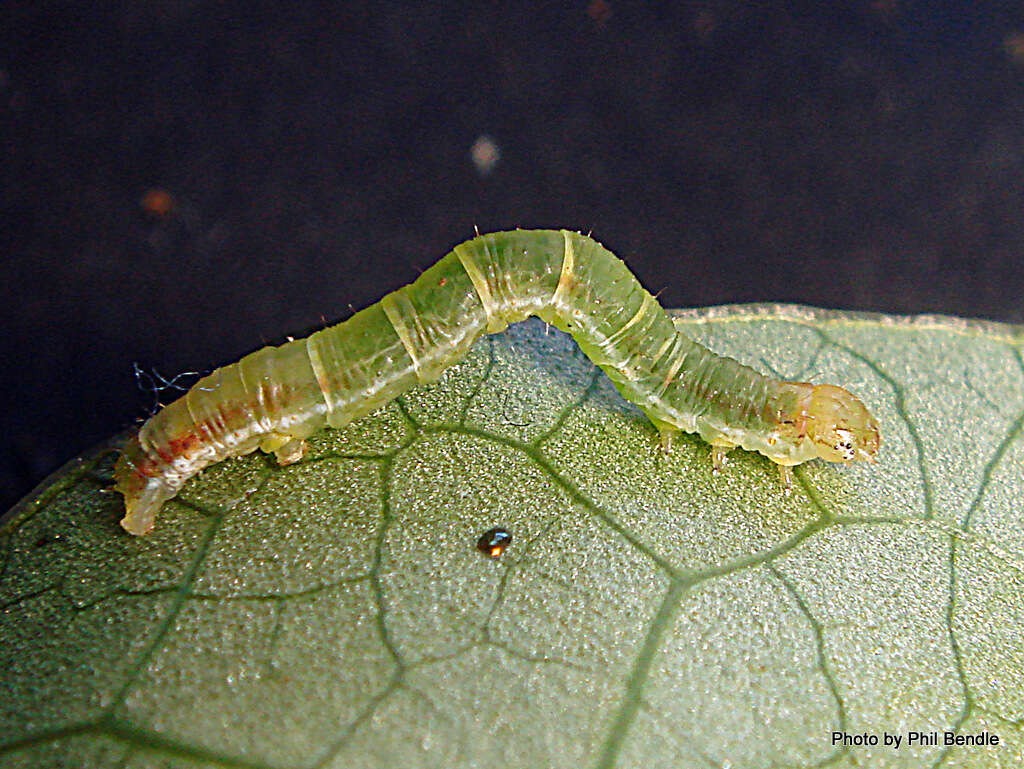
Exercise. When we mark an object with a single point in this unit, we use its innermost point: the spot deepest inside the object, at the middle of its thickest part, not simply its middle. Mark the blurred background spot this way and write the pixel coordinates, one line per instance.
(158, 203)
(1014, 47)
(485, 154)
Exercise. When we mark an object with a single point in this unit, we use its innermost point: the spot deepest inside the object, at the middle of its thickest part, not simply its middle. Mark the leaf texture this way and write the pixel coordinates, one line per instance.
(648, 613)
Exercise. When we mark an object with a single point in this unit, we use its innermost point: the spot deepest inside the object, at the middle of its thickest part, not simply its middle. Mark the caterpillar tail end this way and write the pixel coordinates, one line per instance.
(144, 495)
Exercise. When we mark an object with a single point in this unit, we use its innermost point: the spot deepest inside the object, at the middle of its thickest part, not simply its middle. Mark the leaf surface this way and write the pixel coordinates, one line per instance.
(648, 613)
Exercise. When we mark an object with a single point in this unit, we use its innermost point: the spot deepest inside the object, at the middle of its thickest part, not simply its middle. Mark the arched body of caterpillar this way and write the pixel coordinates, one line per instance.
(276, 397)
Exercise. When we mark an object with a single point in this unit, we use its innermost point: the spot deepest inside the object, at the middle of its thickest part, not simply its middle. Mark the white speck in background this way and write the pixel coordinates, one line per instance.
(485, 154)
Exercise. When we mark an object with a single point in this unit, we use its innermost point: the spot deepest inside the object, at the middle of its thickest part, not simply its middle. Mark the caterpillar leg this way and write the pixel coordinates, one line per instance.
(720, 448)
(666, 433)
(719, 457)
(286, 449)
(786, 478)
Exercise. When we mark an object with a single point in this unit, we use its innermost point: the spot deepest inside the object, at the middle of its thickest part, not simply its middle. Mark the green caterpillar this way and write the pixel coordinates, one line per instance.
(276, 397)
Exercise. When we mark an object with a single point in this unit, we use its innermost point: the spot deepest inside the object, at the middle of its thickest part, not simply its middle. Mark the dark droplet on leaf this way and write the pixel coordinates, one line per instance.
(494, 542)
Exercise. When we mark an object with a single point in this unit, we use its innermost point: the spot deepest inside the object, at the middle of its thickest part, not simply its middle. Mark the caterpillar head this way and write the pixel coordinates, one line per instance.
(840, 426)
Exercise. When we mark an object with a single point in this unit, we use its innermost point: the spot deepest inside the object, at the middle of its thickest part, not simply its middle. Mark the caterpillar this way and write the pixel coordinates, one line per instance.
(276, 397)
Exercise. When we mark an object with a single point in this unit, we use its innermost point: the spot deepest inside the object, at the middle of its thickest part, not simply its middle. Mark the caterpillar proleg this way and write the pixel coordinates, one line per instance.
(276, 397)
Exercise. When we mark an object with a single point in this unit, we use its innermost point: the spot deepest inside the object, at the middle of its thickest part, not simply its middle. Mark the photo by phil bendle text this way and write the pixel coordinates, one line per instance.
(924, 739)
(276, 397)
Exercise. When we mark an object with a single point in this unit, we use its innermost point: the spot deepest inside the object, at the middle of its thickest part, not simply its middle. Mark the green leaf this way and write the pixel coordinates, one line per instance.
(336, 612)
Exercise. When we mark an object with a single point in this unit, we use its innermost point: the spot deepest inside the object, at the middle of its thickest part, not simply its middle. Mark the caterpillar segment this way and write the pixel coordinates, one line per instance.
(276, 397)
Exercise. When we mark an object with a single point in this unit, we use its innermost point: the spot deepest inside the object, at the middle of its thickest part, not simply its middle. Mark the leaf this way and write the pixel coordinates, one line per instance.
(336, 613)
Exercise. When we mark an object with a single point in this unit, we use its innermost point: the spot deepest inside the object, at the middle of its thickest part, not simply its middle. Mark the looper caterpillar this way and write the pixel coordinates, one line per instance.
(276, 397)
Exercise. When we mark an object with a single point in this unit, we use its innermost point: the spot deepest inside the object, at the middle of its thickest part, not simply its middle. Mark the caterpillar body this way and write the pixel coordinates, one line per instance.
(276, 397)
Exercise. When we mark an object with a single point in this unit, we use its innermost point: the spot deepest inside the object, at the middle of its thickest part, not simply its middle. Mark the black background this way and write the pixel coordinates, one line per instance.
(863, 155)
